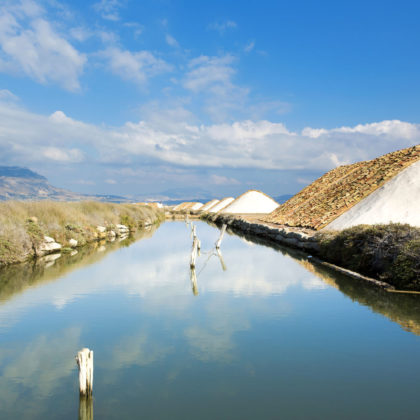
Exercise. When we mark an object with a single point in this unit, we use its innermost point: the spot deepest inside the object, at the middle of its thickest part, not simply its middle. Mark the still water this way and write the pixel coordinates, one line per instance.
(257, 333)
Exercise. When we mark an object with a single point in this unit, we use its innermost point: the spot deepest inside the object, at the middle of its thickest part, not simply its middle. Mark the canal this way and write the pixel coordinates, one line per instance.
(254, 333)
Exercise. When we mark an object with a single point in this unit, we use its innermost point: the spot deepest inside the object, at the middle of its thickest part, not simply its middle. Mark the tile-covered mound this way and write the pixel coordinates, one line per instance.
(338, 190)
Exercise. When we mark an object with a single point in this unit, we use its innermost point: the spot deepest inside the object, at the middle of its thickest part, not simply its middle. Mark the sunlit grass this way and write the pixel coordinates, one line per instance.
(22, 224)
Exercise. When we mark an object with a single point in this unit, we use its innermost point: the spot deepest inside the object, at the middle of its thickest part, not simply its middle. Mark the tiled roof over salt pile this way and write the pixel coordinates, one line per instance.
(396, 201)
(221, 204)
(252, 201)
(209, 204)
(337, 191)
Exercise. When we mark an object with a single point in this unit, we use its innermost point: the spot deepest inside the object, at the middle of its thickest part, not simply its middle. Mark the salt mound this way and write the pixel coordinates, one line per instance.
(196, 206)
(221, 204)
(209, 204)
(252, 201)
(179, 206)
(396, 201)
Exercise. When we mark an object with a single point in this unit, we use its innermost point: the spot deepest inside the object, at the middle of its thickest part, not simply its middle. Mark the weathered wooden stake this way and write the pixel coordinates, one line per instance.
(194, 252)
(222, 232)
(84, 361)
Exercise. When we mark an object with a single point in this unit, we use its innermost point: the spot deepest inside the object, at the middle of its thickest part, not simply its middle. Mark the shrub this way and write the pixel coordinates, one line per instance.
(388, 252)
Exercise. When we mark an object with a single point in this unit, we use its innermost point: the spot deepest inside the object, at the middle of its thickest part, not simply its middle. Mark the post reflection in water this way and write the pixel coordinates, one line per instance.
(193, 279)
(85, 408)
(222, 262)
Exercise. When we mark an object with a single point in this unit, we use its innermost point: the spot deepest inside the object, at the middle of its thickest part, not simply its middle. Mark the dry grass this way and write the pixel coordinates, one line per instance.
(23, 224)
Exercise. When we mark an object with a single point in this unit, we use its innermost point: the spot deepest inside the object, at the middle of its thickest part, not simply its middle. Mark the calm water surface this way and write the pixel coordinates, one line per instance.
(257, 333)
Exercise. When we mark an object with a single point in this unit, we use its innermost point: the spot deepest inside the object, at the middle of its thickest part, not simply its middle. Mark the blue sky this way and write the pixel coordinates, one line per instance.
(158, 98)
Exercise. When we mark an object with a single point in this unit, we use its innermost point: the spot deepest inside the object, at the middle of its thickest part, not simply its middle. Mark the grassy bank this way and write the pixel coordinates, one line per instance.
(390, 253)
(23, 225)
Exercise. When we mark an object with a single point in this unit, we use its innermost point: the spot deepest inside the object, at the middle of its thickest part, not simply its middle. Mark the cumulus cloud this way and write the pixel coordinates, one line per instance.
(137, 67)
(7, 96)
(62, 155)
(223, 180)
(390, 128)
(29, 44)
(171, 41)
(108, 9)
(209, 73)
(212, 77)
(242, 144)
(249, 47)
(222, 26)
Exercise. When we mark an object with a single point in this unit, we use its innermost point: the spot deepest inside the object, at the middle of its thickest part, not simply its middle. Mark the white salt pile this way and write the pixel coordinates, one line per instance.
(196, 206)
(251, 202)
(221, 204)
(178, 207)
(209, 204)
(396, 201)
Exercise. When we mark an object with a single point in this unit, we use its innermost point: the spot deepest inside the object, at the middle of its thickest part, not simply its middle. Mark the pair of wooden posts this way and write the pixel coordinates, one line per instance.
(197, 244)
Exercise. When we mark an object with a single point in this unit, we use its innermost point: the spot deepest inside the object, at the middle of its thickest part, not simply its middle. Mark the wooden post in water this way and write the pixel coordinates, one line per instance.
(84, 361)
(194, 252)
(222, 232)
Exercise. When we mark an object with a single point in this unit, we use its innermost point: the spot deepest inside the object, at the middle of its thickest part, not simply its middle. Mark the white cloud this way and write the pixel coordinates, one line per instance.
(80, 33)
(137, 28)
(108, 9)
(223, 180)
(212, 77)
(250, 46)
(171, 41)
(62, 155)
(7, 96)
(134, 66)
(30, 45)
(223, 26)
(390, 128)
(242, 144)
(209, 73)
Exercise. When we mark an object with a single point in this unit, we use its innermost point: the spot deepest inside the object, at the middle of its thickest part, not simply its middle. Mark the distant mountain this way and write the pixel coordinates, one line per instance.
(18, 183)
(283, 198)
(18, 172)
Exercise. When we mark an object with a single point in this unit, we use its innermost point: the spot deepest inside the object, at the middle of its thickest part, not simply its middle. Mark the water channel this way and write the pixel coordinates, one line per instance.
(256, 333)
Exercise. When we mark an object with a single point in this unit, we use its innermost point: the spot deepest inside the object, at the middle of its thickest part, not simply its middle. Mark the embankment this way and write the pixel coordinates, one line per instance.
(32, 229)
(389, 254)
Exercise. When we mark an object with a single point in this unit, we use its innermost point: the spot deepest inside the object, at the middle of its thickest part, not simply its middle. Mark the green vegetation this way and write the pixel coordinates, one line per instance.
(23, 225)
(390, 252)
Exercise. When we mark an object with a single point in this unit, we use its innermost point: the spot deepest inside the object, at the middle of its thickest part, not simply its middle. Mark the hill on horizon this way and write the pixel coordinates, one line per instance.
(18, 183)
